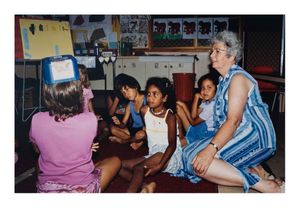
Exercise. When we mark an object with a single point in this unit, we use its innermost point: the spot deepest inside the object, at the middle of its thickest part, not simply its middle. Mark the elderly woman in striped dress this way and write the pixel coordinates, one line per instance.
(245, 135)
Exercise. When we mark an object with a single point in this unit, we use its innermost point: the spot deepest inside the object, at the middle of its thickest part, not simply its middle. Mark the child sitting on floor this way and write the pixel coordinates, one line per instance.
(115, 102)
(161, 132)
(87, 91)
(64, 134)
(199, 123)
(120, 132)
(88, 95)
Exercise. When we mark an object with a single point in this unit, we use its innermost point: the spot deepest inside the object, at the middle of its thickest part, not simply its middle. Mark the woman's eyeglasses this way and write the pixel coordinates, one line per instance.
(217, 50)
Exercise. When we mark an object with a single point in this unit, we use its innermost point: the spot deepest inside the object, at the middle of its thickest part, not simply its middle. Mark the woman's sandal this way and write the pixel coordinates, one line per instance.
(269, 175)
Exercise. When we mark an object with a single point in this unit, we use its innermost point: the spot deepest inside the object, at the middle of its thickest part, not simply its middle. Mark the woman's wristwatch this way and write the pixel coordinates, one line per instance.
(215, 146)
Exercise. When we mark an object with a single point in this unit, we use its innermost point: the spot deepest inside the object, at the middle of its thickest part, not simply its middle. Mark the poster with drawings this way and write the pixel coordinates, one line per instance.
(189, 28)
(124, 22)
(134, 29)
(174, 27)
(160, 26)
(220, 24)
(90, 23)
(205, 28)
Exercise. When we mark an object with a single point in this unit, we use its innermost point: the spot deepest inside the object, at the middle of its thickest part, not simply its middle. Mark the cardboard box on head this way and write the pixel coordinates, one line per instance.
(60, 69)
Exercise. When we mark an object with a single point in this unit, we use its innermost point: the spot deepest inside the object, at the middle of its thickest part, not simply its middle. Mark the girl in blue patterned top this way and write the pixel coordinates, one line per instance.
(245, 135)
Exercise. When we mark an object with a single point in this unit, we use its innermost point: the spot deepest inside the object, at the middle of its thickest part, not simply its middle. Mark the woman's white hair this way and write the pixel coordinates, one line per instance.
(230, 40)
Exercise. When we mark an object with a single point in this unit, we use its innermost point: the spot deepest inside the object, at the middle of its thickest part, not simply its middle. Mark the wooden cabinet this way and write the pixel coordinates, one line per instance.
(159, 69)
(134, 68)
(179, 67)
(165, 66)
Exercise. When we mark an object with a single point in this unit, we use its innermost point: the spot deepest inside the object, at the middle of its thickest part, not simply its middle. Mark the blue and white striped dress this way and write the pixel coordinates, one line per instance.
(253, 142)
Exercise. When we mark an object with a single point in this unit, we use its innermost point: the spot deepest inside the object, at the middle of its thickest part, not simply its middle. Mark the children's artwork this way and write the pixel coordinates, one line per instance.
(88, 61)
(205, 28)
(159, 29)
(174, 28)
(62, 70)
(43, 38)
(134, 29)
(99, 25)
(124, 23)
(220, 24)
(189, 28)
(112, 41)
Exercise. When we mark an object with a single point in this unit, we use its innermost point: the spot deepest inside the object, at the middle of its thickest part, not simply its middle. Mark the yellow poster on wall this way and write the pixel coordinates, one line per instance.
(43, 38)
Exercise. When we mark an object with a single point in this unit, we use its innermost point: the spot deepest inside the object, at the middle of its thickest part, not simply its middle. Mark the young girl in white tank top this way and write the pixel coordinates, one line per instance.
(161, 132)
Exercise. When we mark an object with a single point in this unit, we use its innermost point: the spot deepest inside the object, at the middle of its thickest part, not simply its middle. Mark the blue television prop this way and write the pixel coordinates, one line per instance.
(60, 69)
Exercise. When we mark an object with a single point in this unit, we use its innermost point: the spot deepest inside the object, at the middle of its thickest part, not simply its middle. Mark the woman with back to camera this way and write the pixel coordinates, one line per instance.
(245, 135)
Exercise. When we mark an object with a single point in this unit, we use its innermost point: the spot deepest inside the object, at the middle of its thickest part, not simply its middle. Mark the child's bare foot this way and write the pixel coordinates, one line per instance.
(149, 188)
(136, 145)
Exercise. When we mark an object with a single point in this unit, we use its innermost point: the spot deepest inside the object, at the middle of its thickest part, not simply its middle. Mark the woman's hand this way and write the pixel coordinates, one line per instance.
(95, 147)
(203, 160)
(152, 169)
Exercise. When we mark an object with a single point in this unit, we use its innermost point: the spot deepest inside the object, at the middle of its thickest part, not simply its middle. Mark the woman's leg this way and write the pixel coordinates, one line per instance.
(222, 173)
(109, 168)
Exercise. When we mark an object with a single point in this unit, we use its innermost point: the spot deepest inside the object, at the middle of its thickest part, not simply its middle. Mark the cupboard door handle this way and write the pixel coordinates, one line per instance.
(124, 66)
(166, 66)
(171, 66)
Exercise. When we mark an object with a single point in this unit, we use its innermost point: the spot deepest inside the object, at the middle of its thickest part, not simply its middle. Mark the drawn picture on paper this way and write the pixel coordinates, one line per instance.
(205, 28)
(62, 70)
(189, 28)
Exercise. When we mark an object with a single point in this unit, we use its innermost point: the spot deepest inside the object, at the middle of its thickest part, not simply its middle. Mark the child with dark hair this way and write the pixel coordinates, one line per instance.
(199, 123)
(87, 91)
(63, 136)
(130, 89)
(88, 95)
(161, 132)
(115, 101)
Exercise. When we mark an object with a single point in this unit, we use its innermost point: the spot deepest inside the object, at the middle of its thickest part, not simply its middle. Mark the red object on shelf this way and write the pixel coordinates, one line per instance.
(184, 84)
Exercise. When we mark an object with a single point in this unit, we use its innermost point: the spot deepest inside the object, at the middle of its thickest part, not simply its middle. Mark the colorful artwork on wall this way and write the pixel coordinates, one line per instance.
(134, 29)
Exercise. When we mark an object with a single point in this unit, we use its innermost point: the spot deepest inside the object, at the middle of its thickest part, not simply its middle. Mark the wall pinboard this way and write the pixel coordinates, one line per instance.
(43, 38)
